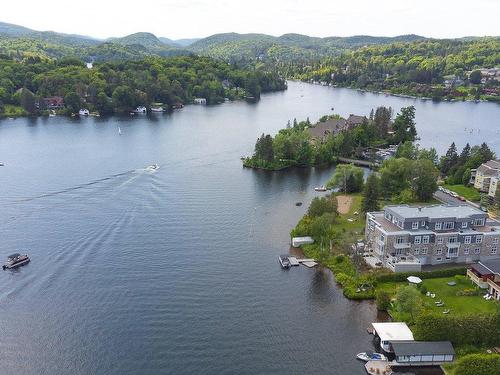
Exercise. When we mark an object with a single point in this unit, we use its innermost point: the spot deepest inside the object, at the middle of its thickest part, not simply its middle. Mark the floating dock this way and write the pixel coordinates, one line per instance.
(306, 262)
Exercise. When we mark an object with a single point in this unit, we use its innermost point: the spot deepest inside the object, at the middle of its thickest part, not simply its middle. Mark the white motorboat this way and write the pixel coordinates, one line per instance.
(285, 263)
(370, 356)
(153, 167)
(157, 109)
(83, 112)
(320, 188)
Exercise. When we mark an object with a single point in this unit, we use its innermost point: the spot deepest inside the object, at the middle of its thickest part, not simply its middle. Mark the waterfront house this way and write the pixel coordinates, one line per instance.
(486, 275)
(404, 238)
(322, 130)
(423, 353)
(482, 176)
(354, 121)
(53, 102)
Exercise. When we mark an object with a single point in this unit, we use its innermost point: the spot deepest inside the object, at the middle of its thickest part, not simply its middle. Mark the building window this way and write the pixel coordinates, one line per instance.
(452, 240)
(453, 252)
(417, 251)
(423, 251)
(414, 225)
(400, 240)
(440, 240)
(467, 239)
(422, 223)
(425, 239)
(493, 250)
(438, 226)
(439, 259)
(371, 225)
(477, 250)
(479, 239)
(479, 222)
(495, 240)
(439, 251)
(464, 224)
(418, 240)
(400, 224)
(388, 216)
(466, 251)
(449, 225)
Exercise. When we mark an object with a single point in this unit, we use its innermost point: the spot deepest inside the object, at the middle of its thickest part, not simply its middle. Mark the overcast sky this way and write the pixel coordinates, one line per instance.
(198, 18)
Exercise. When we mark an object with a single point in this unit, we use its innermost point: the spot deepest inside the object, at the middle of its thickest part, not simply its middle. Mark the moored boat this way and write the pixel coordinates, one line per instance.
(16, 260)
(370, 356)
(320, 188)
(285, 263)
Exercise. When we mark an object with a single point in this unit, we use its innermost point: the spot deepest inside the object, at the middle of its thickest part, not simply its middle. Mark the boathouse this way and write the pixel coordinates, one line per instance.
(390, 333)
(423, 353)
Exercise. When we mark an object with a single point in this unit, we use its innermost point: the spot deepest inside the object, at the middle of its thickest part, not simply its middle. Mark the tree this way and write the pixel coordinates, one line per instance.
(424, 179)
(322, 205)
(347, 178)
(383, 300)
(264, 148)
(27, 101)
(371, 194)
(496, 200)
(404, 125)
(408, 301)
(103, 103)
(123, 99)
(321, 224)
(475, 77)
(407, 150)
(448, 161)
(394, 176)
(73, 102)
(486, 153)
(429, 154)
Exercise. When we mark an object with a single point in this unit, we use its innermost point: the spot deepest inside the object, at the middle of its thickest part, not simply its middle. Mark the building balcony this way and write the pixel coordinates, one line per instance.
(493, 284)
(404, 245)
(477, 279)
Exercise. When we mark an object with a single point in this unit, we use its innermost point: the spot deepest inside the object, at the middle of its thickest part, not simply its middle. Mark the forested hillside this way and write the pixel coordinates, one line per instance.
(115, 87)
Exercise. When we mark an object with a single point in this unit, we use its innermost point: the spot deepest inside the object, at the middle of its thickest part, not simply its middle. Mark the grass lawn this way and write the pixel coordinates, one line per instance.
(350, 224)
(447, 294)
(468, 193)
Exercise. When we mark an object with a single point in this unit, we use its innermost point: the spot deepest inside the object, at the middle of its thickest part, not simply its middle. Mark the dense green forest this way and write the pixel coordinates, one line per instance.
(417, 68)
(114, 87)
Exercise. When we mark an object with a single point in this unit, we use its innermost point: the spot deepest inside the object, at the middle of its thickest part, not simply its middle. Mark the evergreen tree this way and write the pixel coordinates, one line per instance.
(371, 194)
(486, 153)
(464, 155)
(449, 160)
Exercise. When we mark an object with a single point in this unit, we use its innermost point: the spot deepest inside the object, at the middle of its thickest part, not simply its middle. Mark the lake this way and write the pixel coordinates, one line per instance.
(175, 271)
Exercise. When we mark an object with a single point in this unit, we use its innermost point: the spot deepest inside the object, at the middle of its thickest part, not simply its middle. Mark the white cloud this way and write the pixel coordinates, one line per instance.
(195, 18)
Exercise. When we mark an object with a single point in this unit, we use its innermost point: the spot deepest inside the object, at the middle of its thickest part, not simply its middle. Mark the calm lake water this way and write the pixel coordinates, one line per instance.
(175, 271)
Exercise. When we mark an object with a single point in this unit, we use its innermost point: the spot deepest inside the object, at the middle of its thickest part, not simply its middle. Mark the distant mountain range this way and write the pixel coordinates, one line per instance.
(18, 41)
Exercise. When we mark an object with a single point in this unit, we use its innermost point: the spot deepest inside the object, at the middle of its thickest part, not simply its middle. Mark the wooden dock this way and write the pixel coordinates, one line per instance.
(360, 163)
(378, 368)
(306, 262)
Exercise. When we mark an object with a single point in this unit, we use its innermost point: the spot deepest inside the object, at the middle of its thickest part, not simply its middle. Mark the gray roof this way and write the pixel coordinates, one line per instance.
(356, 120)
(435, 211)
(488, 266)
(423, 348)
(490, 168)
(322, 129)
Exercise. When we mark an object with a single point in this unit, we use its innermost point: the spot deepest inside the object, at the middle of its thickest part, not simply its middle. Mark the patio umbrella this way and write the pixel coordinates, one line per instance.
(414, 279)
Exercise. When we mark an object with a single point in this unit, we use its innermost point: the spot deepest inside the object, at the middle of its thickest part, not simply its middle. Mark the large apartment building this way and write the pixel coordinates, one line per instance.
(404, 238)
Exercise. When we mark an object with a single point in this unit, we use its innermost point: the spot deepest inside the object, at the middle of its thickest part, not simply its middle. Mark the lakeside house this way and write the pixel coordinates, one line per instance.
(53, 102)
(321, 130)
(404, 238)
(486, 275)
(485, 178)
